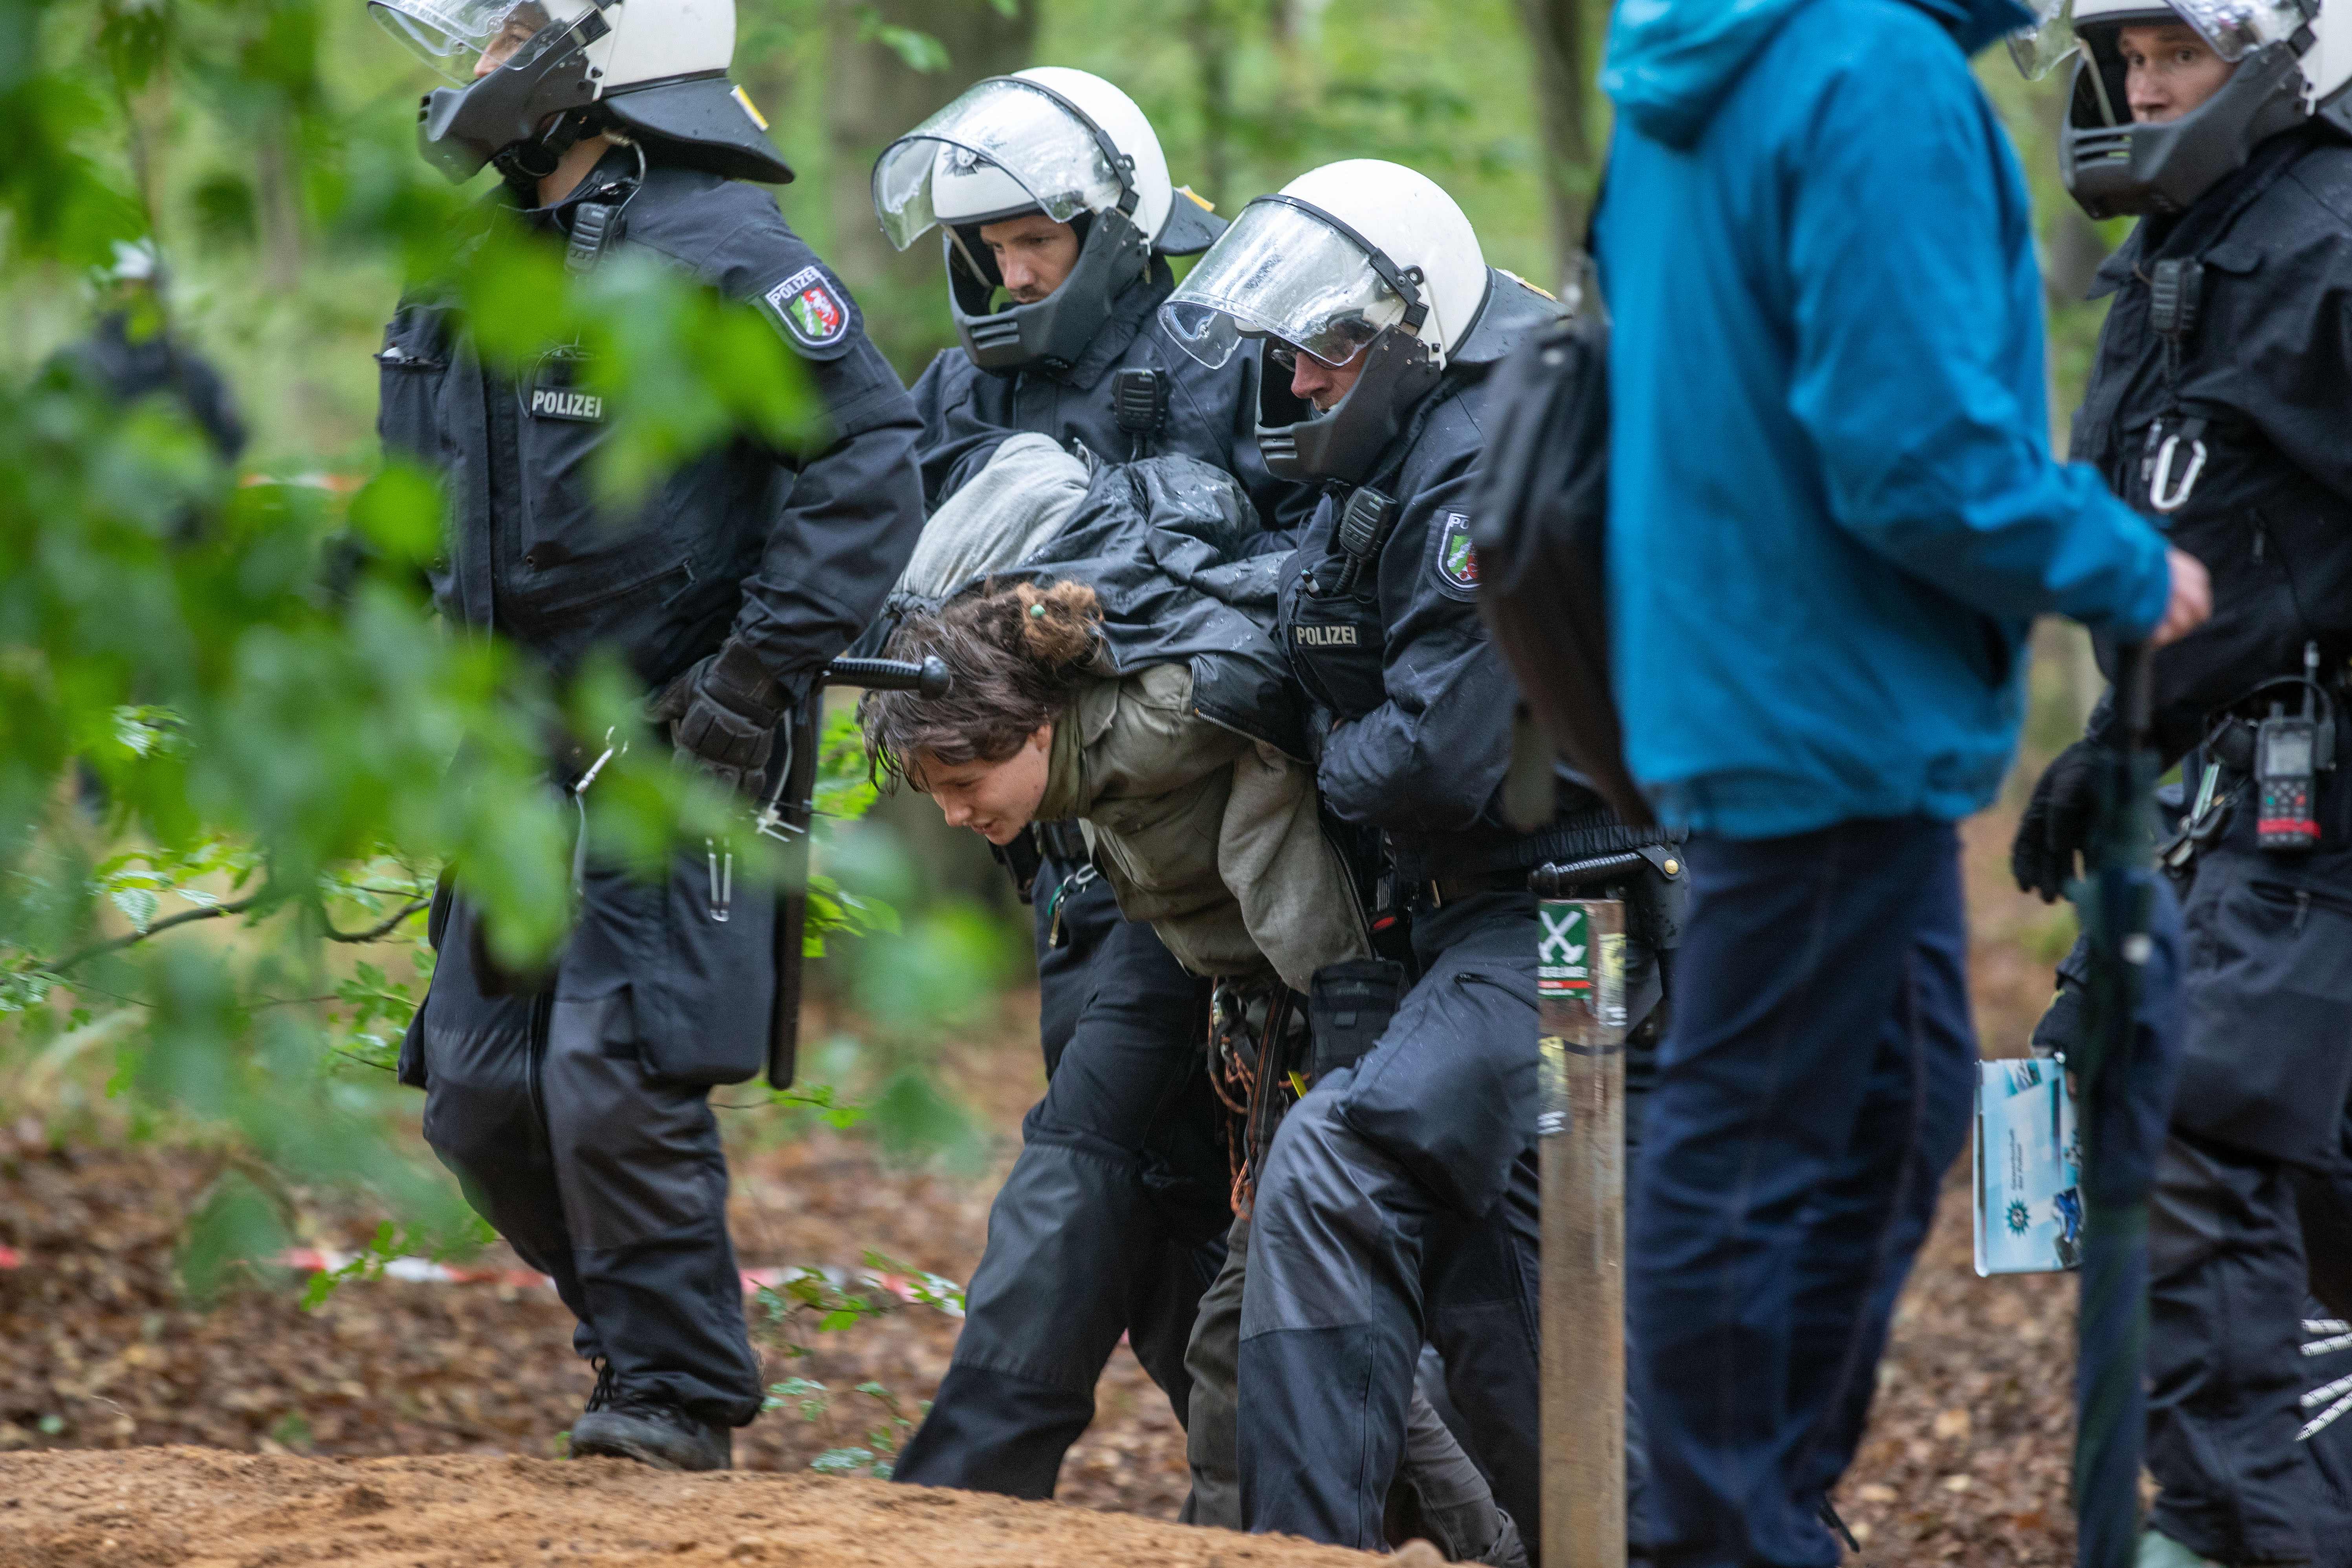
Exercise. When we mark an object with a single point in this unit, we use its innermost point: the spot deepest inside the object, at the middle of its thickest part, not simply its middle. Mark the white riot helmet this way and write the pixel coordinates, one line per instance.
(1051, 140)
(2291, 59)
(1357, 257)
(566, 68)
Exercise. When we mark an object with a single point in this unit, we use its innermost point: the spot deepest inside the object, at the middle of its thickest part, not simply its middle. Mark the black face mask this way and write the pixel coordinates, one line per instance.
(498, 118)
(1054, 332)
(1299, 444)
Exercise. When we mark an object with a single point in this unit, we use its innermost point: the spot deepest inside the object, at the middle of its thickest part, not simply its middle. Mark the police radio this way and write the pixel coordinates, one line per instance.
(2289, 753)
(1139, 399)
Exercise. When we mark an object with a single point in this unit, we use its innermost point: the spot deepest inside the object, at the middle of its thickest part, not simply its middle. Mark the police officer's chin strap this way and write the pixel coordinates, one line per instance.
(523, 164)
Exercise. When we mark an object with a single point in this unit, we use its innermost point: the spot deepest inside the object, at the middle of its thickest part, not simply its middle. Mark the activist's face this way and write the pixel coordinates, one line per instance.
(1033, 253)
(995, 800)
(2169, 71)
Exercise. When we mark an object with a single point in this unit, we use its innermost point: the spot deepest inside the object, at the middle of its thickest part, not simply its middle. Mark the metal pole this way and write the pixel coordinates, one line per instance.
(1581, 1134)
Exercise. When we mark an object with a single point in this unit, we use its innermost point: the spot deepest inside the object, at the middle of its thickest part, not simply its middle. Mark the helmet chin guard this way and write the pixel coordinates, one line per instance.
(2290, 61)
(1343, 445)
(2115, 170)
(654, 69)
(1054, 331)
(497, 119)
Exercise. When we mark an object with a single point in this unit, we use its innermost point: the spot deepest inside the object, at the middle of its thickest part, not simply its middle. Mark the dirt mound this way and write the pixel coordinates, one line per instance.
(193, 1505)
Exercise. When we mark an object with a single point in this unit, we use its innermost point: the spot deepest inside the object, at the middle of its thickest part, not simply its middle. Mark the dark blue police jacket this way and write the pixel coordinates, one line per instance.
(1419, 702)
(789, 551)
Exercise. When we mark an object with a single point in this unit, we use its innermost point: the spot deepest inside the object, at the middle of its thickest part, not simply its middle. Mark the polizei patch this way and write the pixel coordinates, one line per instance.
(1324, 637)
(812, 310)
(562, 403)
(1457, 562)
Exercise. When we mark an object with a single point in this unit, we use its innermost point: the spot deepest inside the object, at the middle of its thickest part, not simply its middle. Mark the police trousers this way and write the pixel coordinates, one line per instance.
(1112, 1219)
(1439, 1492)
(2253, 1210)
(602, 1172)
(1398, 1204)
(1814, 1083)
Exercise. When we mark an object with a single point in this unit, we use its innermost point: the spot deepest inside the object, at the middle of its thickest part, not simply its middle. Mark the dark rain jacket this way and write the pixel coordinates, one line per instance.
(1419, 702)
(1212, 414)
(790, 552)
(127, 369)
(2259, 372)
(1162, 543)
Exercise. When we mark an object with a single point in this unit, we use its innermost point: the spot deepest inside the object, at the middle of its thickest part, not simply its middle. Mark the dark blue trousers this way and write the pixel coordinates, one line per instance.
(1815, 1082)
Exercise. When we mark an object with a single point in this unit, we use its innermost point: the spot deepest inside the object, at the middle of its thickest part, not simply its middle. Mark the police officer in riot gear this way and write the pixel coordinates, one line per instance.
(133, 353)
(1056, 218)
(573, 1106)
(2217, 406)
(1399, 1197)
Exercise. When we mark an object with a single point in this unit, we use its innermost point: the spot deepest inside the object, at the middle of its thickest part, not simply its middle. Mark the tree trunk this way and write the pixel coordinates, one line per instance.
(1559, 40)
(1211, 30)
(871, 98)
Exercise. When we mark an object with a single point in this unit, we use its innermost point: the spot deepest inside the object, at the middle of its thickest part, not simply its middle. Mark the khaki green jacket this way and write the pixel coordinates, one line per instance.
(1211, 837)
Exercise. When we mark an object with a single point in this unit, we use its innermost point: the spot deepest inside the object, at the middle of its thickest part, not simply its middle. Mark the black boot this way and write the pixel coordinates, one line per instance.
(630, 1426)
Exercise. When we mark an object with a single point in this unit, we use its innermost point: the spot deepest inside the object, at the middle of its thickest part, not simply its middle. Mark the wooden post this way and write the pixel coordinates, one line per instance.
(1581, 1133)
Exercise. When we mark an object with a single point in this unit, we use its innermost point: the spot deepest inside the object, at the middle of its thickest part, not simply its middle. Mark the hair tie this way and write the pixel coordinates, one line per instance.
(1038, 611)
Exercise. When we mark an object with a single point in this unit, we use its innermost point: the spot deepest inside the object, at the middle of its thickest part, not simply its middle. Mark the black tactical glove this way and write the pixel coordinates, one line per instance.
(722, 716)
(2057, 823)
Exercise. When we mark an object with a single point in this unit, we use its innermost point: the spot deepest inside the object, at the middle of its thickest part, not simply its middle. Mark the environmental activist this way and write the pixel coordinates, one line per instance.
(1399, 1198)
(1056, 218)
(1111, 639)
(1834, 515)
(2216, 406)
(574, 1105)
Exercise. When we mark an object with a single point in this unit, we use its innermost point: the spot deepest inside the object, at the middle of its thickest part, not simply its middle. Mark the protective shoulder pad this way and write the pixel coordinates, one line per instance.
(1514, 310)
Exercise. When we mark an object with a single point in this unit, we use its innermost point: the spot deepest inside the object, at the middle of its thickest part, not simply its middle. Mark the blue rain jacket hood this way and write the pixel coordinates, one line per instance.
(1833, 509)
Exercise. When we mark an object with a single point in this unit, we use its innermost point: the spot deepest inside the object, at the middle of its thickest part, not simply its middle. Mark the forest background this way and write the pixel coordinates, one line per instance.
(212, 938)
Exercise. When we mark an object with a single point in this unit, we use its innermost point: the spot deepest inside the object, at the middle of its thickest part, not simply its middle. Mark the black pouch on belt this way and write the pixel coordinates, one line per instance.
(1349, 1009)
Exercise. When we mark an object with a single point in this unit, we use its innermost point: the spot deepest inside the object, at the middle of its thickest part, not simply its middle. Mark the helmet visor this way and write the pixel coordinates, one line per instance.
(2046, 45)
(452, 35)
(2237, 28)
(1005, 146)
(1281, 272)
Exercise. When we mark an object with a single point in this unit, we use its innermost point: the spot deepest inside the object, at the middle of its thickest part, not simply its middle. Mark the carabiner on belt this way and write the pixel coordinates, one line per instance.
(2162, 493)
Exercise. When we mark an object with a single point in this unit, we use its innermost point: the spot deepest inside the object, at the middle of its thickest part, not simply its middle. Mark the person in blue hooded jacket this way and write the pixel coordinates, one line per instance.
(1834, 515)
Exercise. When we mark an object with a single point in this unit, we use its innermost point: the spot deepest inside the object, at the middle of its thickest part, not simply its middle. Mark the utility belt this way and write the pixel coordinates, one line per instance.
(2270, 750)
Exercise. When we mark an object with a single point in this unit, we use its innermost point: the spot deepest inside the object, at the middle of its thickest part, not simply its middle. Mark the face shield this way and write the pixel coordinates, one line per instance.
(2233, 28)
(1004, 147)
(2047, 44)
(451, 36)
(1283, 271)
(2237, 28)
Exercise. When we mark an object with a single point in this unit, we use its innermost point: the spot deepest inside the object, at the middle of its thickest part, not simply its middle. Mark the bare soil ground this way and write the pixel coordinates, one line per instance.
(199, 1506)
(470, 1385)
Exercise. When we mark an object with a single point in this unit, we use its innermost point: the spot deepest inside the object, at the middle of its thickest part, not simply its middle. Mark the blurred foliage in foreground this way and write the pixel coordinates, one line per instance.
(227, 787)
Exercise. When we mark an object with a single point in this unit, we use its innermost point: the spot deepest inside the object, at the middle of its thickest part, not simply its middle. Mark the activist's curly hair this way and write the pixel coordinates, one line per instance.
(1018, 657)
